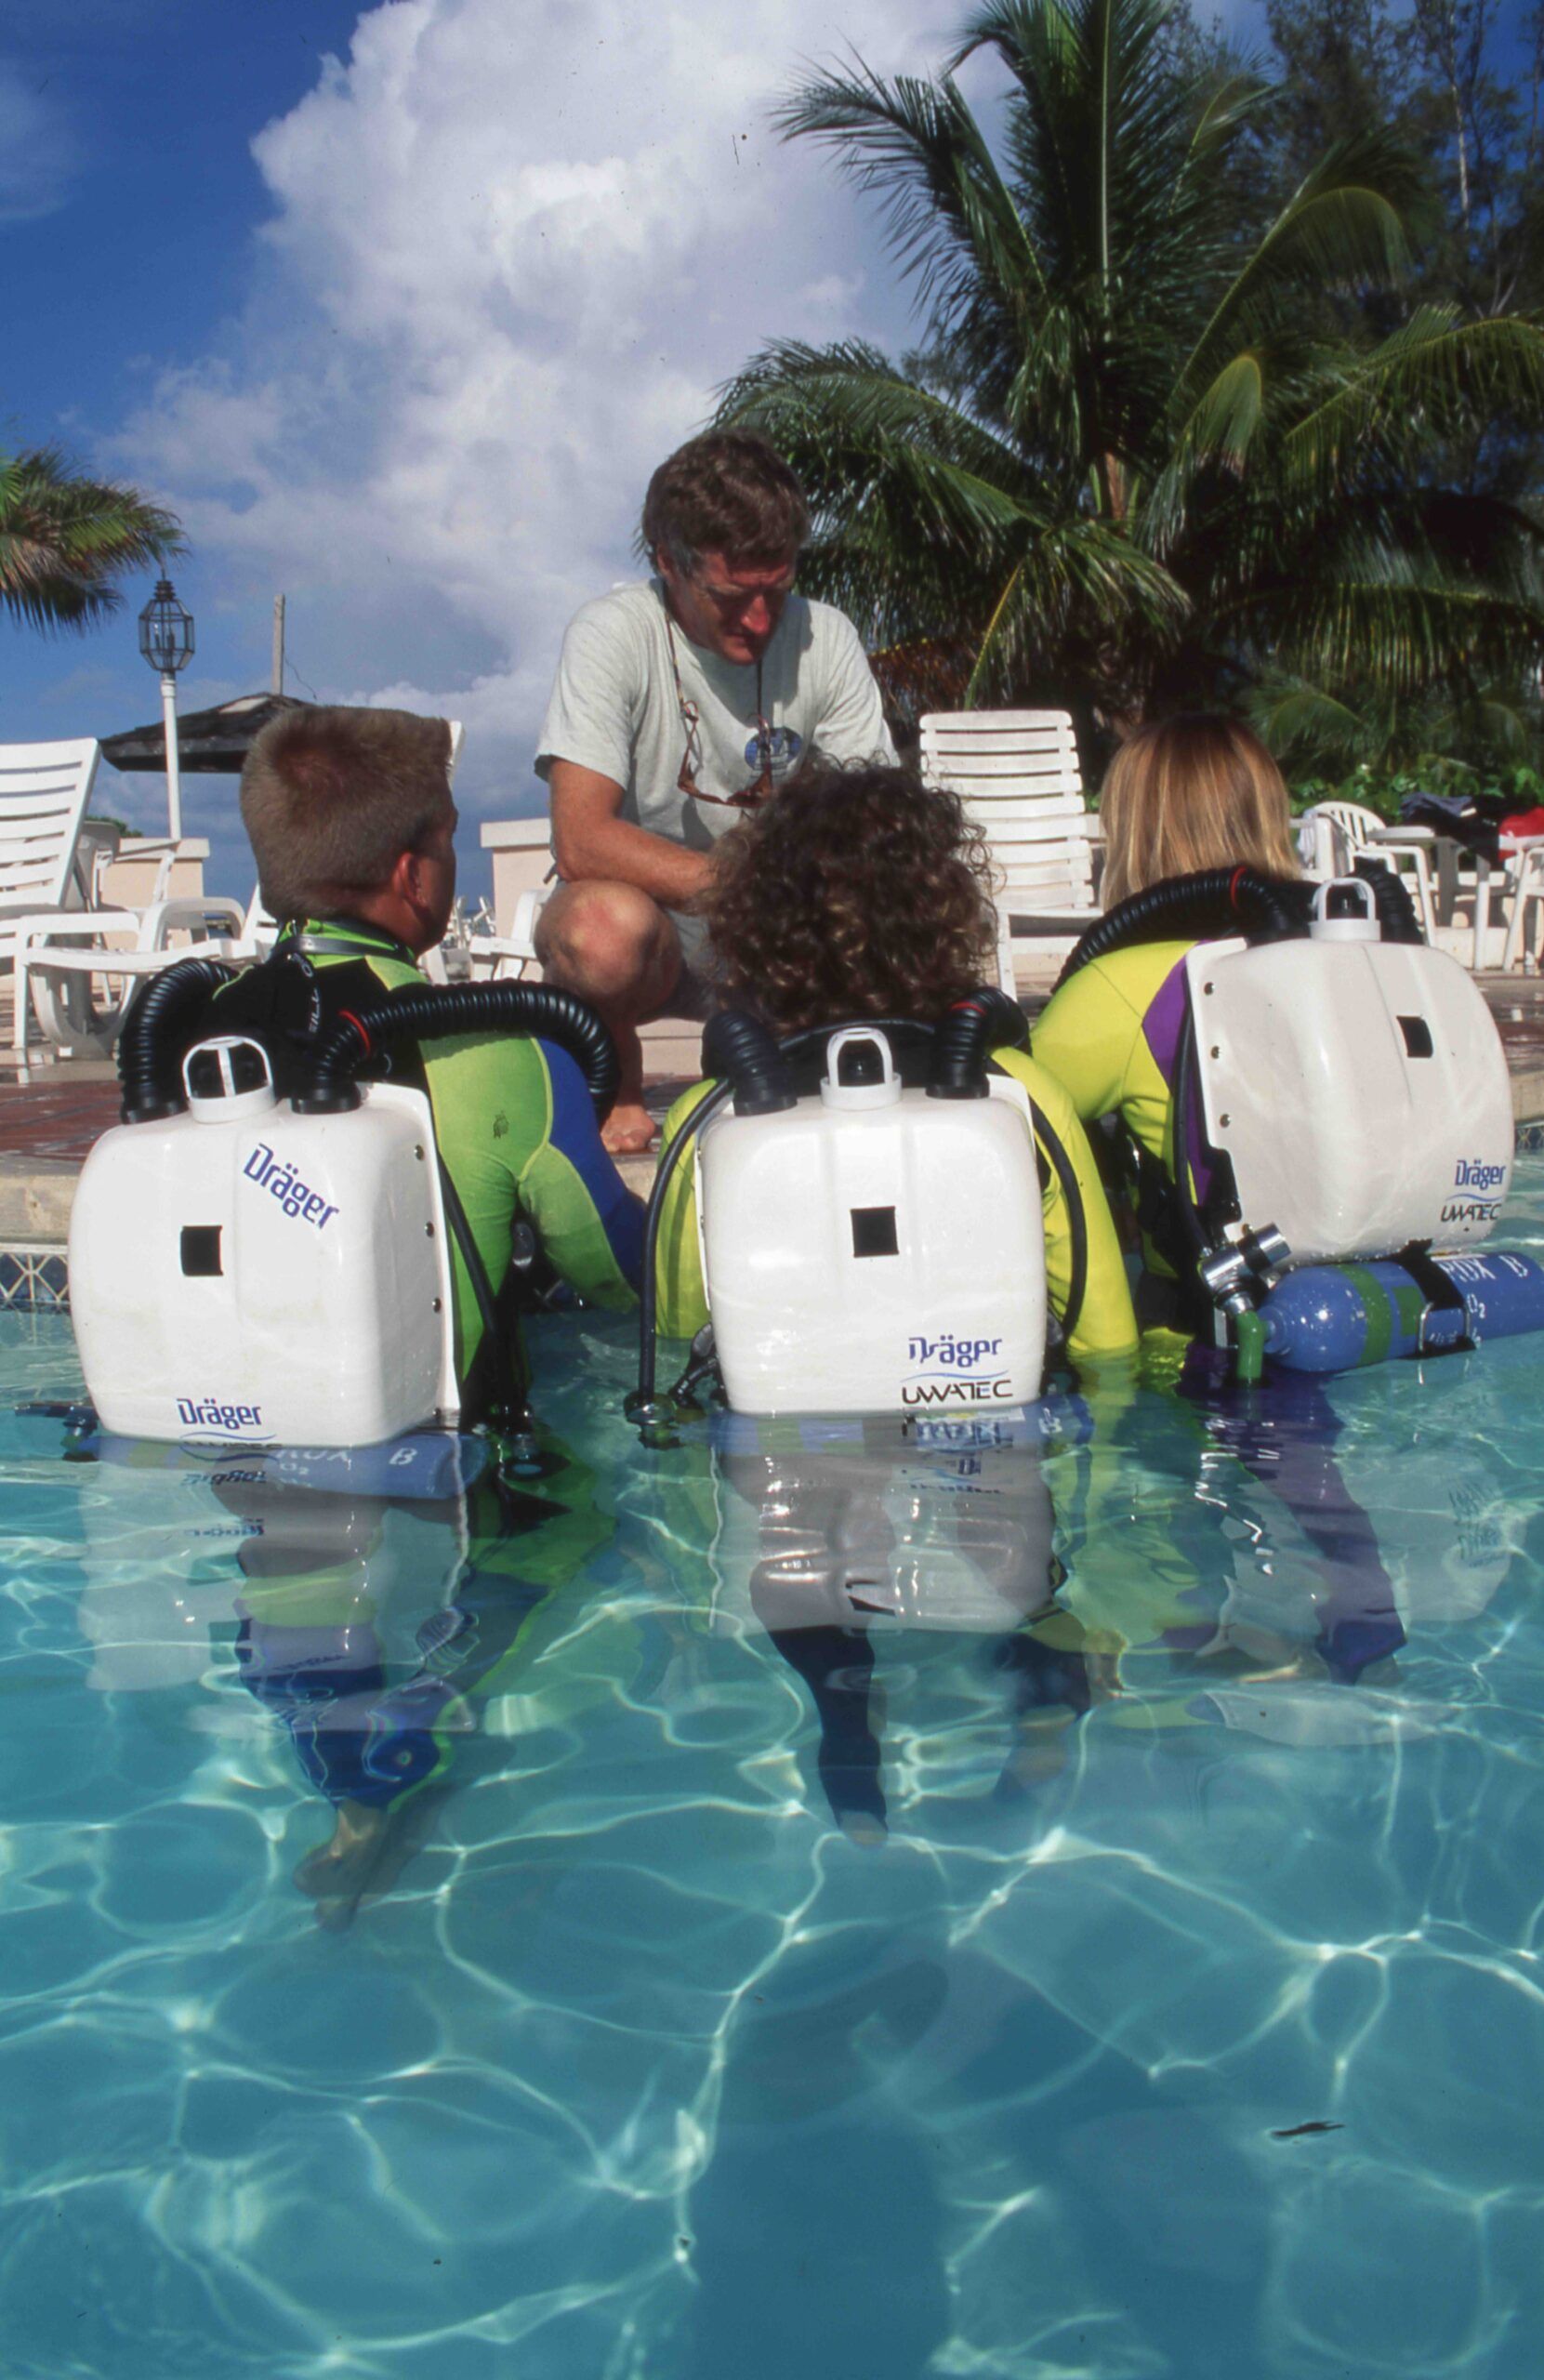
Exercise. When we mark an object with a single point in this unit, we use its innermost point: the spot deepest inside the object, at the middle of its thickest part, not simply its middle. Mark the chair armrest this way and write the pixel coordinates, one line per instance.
(522, 925)
(202, 913)
(499, 958)
(47, 925)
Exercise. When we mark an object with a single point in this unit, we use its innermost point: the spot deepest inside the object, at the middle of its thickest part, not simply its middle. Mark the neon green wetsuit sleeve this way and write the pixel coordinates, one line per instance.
(493, 1102)
(1106, 1327)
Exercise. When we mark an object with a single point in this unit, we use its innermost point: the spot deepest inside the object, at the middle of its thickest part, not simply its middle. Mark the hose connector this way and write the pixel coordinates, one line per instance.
(965, 1037)
(738, 1047)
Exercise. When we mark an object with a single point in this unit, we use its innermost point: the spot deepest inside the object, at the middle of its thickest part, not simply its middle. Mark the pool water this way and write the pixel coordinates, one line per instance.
(1018, 1900)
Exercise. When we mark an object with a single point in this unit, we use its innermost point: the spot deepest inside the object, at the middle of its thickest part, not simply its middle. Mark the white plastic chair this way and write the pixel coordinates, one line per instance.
(45, 867)
(60, 978)
(1337, 830)
(51, 866)
(1018, 775)
(506, 958)
(1527, 884)
(56, 982)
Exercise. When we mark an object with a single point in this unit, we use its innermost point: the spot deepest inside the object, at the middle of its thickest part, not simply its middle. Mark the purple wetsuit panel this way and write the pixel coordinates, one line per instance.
(1160, 1027)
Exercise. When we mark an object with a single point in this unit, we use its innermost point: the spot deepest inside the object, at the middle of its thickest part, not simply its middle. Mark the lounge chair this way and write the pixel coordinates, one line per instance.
(1017, 774)
(61, 976)
(50, 879)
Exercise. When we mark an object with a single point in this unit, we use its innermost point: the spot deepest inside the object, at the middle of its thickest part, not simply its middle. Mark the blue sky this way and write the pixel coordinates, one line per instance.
(128, 203)
(397, 307)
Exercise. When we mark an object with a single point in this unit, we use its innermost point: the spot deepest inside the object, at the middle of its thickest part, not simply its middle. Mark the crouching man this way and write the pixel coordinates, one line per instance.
(681, 704)
(353, 826)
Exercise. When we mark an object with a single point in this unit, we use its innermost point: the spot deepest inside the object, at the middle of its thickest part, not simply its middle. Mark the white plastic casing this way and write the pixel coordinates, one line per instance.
(1360, 1089)
(329, 1320)
(954, 1314)
(1359, 924)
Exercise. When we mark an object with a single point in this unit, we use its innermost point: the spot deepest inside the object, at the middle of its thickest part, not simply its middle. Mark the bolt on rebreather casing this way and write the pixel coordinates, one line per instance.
(245, 1275)
(1358, 1087)
(872, 1249)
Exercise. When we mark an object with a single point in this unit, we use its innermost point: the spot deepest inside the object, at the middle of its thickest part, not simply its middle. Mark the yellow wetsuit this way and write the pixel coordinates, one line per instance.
(1109, 1038)
(1105, 1325)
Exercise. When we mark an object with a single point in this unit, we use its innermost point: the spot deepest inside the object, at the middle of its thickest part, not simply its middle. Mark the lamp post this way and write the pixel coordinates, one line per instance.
(166, 642)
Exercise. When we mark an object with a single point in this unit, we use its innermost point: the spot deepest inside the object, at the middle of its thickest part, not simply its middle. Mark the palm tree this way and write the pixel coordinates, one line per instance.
(1134, 462)
(66, 540)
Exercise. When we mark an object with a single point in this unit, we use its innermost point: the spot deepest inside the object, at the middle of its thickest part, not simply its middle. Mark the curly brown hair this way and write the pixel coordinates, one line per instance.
(853, 892)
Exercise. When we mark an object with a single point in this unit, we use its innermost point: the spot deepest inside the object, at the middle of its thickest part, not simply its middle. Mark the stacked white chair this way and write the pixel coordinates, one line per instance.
(1018, 775)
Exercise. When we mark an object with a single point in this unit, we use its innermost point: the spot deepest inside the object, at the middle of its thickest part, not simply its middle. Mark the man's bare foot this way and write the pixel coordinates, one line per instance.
(344, 1865)
(628, 1130)
(368, 1851)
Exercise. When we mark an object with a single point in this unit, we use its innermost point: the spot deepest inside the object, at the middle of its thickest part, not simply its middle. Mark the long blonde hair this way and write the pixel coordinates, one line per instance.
(1196, 791)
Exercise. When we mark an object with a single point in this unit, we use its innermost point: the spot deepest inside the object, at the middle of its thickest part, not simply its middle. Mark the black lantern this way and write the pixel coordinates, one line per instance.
(165, 631)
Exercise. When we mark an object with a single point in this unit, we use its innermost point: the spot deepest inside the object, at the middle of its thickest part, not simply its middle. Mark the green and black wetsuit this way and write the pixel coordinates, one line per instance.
(513, 1121)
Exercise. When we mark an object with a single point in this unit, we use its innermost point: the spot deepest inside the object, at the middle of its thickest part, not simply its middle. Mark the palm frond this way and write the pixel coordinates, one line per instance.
(66, 540)
(1433, 377)
(1342, 227)
(917, 148)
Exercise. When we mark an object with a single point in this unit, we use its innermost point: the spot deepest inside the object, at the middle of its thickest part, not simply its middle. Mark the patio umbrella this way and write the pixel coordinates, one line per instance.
(210, 743)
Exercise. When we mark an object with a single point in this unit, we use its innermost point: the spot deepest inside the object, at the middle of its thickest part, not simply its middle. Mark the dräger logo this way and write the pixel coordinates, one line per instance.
(1469, 1174)
(280, 1182)
(210, 1414)
(951, 1353)
(951, 1370)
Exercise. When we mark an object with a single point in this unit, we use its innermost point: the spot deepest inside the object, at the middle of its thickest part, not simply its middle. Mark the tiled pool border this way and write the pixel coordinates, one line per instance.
(33, 1280)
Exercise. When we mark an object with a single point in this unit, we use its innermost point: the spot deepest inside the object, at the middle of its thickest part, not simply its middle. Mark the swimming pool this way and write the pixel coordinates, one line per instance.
(1033, 1903)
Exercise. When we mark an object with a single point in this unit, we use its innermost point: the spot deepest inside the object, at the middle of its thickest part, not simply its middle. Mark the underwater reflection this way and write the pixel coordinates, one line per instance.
(842, 1535)
(1117, 1544)
(382, 1597)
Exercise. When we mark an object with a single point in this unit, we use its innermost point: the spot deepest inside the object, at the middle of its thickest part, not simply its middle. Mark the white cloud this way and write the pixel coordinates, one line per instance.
(513, 252)
(39, 150)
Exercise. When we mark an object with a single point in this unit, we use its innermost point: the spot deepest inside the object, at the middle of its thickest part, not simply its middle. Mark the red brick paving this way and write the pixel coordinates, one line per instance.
(55, 1119)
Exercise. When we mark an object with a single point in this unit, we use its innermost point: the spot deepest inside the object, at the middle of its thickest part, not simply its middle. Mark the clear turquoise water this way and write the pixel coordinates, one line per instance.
(678, 2031)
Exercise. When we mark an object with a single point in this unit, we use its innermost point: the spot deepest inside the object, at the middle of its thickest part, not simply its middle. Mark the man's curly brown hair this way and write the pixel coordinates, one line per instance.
(853, 892)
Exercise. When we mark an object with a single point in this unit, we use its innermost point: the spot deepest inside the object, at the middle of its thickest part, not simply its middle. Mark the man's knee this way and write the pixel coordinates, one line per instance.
(609, 941)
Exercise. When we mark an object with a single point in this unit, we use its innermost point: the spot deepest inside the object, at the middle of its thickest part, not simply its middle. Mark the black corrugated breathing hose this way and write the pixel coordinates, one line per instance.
(163, 1020)
(1212, 902)
(436, 1010)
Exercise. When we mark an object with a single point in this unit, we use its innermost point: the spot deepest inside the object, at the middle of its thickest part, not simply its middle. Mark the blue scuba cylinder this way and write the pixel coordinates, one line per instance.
(1335, 1317)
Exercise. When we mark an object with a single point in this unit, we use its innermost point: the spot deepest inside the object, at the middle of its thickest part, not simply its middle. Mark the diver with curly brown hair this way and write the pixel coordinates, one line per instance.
(862, 893)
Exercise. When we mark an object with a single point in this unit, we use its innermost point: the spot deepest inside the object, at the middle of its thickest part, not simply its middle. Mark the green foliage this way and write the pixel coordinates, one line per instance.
(1152, 449)
(1385, 790)
(65, 541)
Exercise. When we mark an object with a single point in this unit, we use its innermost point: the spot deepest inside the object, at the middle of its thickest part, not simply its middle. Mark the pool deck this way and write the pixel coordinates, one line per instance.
(48, 1122)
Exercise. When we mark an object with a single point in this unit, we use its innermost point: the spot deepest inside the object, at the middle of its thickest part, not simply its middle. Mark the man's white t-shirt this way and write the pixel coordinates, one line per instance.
(614, 707)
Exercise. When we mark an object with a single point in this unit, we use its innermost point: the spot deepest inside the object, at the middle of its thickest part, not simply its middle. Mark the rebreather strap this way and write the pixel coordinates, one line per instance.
(1441, 1294)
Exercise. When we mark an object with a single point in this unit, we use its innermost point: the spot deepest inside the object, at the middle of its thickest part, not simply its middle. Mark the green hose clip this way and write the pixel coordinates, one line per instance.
(1249, 1339)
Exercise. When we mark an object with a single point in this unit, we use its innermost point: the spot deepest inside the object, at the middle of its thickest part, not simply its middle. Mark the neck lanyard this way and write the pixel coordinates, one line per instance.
(691, 758)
